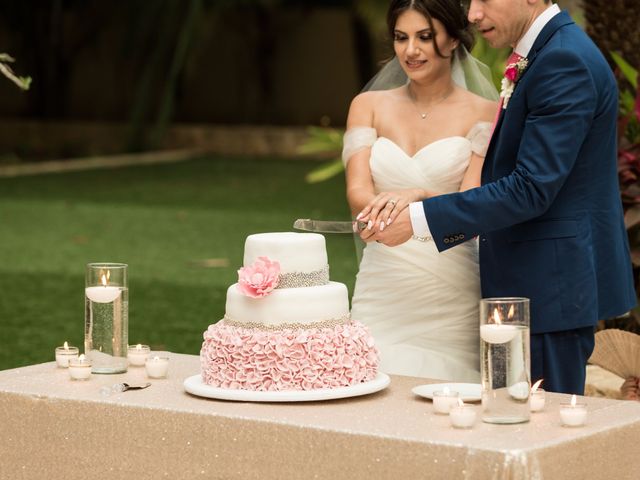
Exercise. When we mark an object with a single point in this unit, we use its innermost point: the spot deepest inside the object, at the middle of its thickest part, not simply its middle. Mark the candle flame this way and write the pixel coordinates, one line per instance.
(81, 357)
(66, 346)
(511, 312)
(496, 317)
(573, 400)
(139, 346)
(460, 402)
(105, 279)
(536, 385)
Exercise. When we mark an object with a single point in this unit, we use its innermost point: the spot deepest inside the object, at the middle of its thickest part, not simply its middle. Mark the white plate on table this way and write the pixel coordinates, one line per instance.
(196, 386)
(469, 392)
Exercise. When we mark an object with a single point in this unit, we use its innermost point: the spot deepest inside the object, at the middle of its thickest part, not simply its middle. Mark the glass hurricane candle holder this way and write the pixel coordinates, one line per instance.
(505, 363)
(106, 319)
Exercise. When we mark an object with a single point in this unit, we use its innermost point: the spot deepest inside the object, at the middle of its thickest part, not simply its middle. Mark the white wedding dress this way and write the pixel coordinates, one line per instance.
(421, 305)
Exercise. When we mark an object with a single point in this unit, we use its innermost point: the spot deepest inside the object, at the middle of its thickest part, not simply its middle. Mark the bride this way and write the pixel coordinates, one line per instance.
(425, 137)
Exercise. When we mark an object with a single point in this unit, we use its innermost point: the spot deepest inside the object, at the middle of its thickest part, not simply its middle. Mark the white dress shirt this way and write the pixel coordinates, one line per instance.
(416, 209)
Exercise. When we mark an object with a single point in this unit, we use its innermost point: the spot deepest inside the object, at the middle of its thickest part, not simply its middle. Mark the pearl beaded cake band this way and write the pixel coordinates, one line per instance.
(330, 323)
(304, 279)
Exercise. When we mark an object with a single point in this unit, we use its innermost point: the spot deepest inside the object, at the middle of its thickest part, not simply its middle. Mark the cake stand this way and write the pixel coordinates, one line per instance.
(195, 386)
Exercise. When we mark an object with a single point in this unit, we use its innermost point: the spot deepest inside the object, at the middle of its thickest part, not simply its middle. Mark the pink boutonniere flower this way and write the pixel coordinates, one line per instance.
(511, 76)
(260, 279)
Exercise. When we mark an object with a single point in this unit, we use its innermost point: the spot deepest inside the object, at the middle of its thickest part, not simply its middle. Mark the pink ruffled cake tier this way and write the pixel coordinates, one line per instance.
(290, 359)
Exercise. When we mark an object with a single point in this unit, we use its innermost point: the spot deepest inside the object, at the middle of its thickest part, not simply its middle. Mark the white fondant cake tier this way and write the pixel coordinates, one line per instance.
(296, 252)
(289, 305)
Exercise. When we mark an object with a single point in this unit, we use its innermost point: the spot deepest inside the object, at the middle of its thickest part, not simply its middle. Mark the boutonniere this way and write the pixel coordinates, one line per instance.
(511, 76)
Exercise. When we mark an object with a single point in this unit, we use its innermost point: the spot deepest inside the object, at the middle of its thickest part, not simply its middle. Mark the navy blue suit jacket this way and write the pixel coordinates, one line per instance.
(548, 214)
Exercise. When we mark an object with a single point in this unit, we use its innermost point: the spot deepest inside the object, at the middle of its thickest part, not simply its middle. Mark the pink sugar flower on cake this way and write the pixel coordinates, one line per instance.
(260, 279)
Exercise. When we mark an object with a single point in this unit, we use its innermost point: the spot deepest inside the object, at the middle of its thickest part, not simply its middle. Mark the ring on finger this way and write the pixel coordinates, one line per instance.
(392, 202)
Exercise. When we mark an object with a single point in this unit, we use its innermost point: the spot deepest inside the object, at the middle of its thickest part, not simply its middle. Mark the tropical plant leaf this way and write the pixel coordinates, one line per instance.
(322, 140)
(630, 73)
(325, 171)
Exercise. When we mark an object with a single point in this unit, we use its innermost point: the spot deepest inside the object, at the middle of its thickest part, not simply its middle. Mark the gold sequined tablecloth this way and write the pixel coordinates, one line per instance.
(53, 428)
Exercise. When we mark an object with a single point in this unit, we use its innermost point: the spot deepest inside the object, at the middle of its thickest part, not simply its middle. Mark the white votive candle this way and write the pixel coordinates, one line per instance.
(138, 354)
(103, 294)
(80, 368)
(537, 400)
(462, 415)
(573, 414)
(64, 354)
(497, 333)
(157, 367)
(443, 400)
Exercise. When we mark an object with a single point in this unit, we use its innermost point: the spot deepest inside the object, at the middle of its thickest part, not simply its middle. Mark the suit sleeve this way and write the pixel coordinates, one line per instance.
(560, 106)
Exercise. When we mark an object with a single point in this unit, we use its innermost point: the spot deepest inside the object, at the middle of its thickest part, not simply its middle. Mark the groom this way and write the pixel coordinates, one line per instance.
(548, 214)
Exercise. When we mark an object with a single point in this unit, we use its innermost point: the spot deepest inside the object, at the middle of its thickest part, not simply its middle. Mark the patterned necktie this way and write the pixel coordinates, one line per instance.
(513, 58)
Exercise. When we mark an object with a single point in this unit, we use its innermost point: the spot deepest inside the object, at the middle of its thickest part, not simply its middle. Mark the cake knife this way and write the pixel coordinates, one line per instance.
(327, 226)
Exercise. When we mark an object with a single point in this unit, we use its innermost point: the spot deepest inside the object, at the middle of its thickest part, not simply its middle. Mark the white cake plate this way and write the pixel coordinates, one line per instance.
(196, 386)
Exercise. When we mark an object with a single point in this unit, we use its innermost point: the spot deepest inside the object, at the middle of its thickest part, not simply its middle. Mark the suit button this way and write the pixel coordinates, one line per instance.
(446, 240)
(462, 236)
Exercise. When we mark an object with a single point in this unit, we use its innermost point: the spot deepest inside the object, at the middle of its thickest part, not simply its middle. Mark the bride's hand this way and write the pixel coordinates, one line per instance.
(386, 206)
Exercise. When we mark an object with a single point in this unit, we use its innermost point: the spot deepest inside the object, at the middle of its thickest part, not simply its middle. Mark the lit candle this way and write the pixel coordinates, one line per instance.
(443, 400)
(462, 415)
(64, 354)
(573, 414)
(157, 367)
(537, 398)
(103, 294)
(80, 368)
(138, 354)
(497, 332)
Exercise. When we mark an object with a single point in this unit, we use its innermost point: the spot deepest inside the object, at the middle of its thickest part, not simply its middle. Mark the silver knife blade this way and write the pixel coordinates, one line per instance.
(326, 226)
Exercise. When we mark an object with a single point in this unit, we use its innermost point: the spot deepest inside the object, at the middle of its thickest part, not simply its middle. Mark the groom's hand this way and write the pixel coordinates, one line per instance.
(398, 232)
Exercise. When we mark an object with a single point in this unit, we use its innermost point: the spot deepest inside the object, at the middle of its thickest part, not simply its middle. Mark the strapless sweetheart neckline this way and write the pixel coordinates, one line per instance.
(430, 144)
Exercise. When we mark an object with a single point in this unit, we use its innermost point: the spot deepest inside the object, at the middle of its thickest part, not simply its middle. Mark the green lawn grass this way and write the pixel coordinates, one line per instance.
(163, 221)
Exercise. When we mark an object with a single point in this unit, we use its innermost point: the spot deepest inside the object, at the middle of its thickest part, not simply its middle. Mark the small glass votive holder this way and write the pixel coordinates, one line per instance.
(537, 400)
(64, 354)
(462, 415)
(157, 367)
(573, 414)
(443, 400)
(138, 354)
(80, 368)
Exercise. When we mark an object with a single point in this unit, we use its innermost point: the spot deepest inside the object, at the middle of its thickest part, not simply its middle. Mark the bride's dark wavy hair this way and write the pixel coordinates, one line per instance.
(449, 12)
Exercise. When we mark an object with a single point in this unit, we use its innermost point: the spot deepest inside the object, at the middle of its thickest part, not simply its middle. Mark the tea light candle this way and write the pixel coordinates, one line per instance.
(573, 414)
(443, 400)
(537, 398)
(462, 415)
(157, 367)
(138, 354)
(64, 354)
(80, 368)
